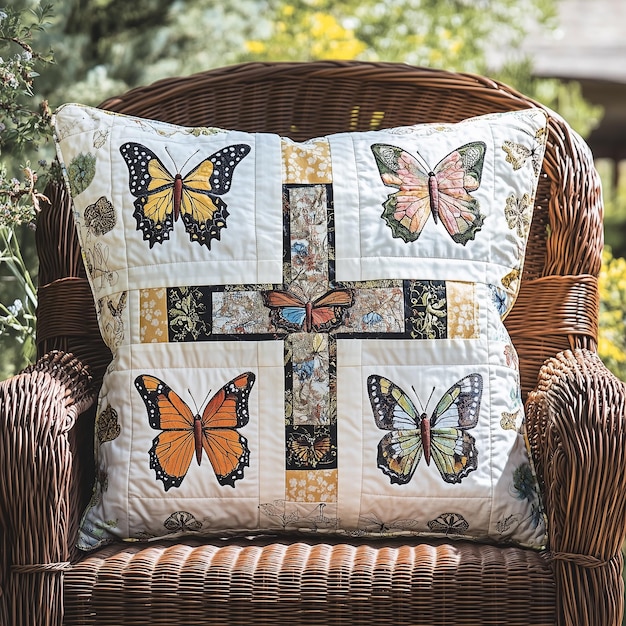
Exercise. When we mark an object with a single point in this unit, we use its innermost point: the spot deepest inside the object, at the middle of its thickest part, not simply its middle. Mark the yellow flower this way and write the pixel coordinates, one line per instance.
(255, 47)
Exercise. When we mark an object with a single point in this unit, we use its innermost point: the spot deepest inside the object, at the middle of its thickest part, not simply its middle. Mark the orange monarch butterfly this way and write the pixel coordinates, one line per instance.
(185, 434)
(291, 312)
(442, 191)
(161, 197)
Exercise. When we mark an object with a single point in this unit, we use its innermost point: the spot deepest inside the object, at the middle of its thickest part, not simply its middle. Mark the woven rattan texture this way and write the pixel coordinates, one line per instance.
(302, 584)
(576, 421)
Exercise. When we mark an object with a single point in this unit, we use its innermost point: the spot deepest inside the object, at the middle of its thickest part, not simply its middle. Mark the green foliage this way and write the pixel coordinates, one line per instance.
(24, 126)
(105, 47)
(614, 195)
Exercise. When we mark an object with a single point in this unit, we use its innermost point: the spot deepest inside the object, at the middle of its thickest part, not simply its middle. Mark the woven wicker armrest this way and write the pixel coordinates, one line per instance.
(577, 417)
(38, 408)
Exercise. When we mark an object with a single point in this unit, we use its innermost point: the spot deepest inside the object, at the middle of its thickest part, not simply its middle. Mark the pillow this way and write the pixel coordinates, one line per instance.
(317, 343)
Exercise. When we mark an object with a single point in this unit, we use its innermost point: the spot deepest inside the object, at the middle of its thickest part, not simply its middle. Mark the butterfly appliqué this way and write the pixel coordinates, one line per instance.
(310, 450)
(161, 197)
(185, 435)
(107, 425)
(443, 437)
(443, 191)
(518, 154)
(293, 313)
(182, 522)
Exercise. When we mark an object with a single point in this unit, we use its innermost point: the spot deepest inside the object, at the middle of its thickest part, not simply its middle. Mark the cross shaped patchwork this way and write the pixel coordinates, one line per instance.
(309, 312)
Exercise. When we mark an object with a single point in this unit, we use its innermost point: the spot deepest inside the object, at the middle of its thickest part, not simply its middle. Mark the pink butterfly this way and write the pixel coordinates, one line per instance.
(443, 191)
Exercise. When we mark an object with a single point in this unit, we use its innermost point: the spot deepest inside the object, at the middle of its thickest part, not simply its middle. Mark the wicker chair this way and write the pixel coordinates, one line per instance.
(576, 409)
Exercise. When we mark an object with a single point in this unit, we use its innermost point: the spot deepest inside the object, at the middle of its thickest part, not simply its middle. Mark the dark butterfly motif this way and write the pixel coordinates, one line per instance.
(185, 435)
(310, 450)
(161, 197)
(293, 313)
(100, 217)
(107, 425)
(443, 437)
(449, 524)
(182, 522)
(371, 524)
(443, 191)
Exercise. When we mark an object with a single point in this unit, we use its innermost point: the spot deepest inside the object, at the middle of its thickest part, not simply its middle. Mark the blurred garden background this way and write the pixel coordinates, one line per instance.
(569, 54)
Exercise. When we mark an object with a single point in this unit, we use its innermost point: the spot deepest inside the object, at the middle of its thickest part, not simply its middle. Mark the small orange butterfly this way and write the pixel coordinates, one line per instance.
(292, 312)
(310, 450)
(185, 434)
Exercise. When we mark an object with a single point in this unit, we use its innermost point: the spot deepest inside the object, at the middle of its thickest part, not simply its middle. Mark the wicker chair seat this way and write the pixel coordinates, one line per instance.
(293, 582)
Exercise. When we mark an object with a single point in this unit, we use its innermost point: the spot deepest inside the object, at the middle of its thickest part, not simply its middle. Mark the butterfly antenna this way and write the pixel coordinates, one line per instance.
(420, 402)
(194, 400)
(429, 397)
(174, 162)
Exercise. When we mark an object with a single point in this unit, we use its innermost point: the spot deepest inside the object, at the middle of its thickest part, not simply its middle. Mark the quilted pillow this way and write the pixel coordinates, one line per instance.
(317, 343)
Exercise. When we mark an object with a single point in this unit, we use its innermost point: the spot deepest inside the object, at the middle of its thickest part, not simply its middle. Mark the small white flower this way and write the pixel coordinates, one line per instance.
(16, 307)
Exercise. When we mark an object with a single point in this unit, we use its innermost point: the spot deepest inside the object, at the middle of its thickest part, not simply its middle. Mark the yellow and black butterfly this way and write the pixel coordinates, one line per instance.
(161, 197)
(443, 437)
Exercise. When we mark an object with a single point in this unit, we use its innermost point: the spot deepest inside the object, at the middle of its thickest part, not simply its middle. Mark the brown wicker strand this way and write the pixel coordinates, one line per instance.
(582, 560)
(36, 568)
(307, 583)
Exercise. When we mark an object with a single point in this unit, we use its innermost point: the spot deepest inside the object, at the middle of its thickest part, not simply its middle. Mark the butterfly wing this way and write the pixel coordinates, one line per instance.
(400, 450)
(328, 310)
(153, 187)
(407, 210)
(226, 448)
(204, 213)
(449, 523)
(173, 449)
(453, 449)
(456, 175)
